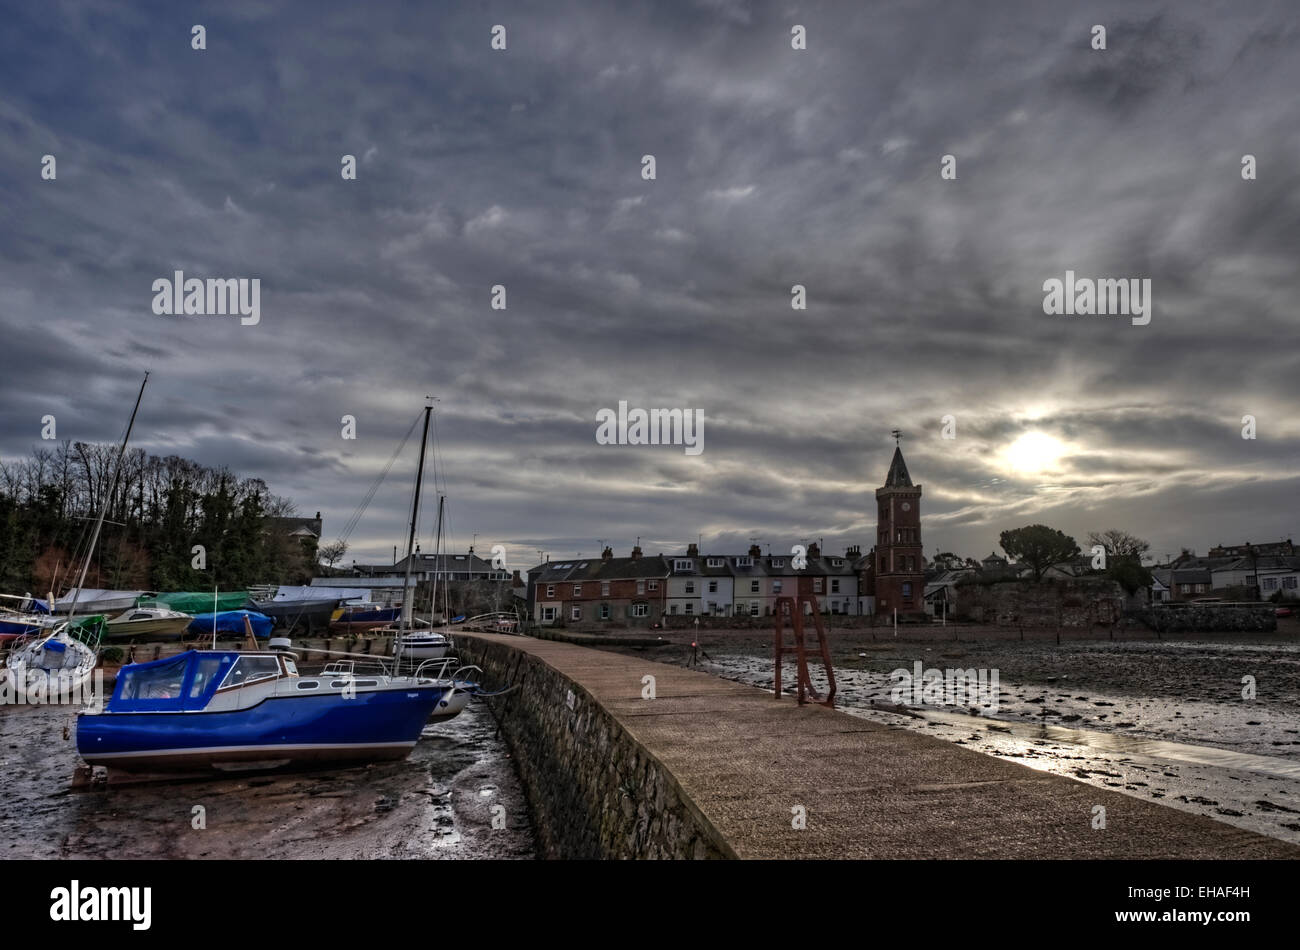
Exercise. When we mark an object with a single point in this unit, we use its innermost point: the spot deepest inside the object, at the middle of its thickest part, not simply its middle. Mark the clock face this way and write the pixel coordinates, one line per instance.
(907, 506)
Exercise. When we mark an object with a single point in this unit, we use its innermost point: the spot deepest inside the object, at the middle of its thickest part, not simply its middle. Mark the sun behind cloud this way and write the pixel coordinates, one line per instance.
(1033, 452)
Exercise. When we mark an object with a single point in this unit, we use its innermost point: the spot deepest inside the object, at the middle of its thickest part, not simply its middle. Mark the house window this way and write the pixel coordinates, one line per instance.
(575, 613)
(654, 585)
(604, 588)
(1289, 582)
(1270, 583)
(835, 585)
(550, 590)
(640, 587)
(640, 610)
(744, 562)
(548, 614)
(672, 608)
(778, 562)
(577, 590)
(690, 608)
(716, 562)
(837, 562)
(690, 587)
(713, 587)
(753, 587)
(684, 565)
(817, 585)
(604, 611)
(753, 608)
(907, 593)
(776, 587)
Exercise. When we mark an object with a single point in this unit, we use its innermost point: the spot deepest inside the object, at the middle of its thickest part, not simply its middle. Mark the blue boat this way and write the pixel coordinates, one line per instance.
(231, 621)
(232, 711)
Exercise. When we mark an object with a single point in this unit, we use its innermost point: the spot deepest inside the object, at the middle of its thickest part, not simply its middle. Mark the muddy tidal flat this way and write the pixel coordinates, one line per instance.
(436, 804)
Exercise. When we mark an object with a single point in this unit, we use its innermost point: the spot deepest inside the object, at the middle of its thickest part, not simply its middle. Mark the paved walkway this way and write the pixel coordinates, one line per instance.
(868, 790)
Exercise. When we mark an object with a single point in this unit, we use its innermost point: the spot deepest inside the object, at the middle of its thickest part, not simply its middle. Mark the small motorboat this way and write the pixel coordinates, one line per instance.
(232, 711)
(421, 645)
(156, 623)
(22, 616)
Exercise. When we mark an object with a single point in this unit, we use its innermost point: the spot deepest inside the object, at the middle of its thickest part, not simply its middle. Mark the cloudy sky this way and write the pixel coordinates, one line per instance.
(774, 167)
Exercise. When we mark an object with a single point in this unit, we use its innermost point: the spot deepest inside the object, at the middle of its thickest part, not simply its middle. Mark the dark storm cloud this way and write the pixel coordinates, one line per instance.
(775, 167)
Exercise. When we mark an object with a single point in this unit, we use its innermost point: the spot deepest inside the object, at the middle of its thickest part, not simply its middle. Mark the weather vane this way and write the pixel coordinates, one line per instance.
(897, 434)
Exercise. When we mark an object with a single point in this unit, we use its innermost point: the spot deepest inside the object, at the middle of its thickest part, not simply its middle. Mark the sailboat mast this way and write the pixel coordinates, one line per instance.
(437, 566)
(407, 600)
(103, 508)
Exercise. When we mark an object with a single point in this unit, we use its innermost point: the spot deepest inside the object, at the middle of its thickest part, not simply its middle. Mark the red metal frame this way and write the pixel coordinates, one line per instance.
(795, 605)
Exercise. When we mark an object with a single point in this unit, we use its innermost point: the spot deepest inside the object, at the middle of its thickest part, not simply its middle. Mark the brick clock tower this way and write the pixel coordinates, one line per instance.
(899, 563)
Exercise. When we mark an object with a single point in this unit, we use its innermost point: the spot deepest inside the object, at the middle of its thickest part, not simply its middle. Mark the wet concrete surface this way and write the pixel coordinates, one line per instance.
(440, 803)
(1165, 721)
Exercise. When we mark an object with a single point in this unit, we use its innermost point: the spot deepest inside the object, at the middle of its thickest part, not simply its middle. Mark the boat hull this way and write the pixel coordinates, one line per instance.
(164, 629)
(289, 614)
(279, 732)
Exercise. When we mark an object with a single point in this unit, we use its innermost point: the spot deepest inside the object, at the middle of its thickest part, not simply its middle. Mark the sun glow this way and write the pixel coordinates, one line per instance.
(1033, 452)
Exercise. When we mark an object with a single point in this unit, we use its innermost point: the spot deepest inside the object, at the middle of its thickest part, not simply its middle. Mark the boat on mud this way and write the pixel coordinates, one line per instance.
(226, 710)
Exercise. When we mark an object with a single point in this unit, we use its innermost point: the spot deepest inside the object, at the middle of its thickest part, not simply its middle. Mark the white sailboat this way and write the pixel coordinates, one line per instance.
(410, 643)
(59, 660)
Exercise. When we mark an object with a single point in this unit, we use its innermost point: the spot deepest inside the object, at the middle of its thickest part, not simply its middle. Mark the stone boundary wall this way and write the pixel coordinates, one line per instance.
(1207, 618)
(594, 790)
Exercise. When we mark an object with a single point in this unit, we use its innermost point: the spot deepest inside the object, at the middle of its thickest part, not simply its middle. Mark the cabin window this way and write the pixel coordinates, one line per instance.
(308, 684)
(250, 669)
(207, 669)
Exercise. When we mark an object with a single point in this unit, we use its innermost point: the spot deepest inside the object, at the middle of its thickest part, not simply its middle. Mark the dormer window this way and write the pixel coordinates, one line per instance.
(683, 564)
(744, 562)
(716, 562)
(778, 562)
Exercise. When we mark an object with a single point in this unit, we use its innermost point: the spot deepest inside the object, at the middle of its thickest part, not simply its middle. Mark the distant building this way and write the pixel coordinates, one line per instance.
(1267, 549)
(899, 561)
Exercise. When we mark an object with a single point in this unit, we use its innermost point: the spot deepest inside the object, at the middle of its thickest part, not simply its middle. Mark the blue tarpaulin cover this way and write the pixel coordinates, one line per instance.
(232, 621)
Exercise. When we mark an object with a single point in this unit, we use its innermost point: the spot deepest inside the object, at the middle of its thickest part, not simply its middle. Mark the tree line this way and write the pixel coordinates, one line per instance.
(158, 510)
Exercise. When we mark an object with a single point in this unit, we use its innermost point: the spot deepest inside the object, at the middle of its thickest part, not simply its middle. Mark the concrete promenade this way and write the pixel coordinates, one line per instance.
(868, 790)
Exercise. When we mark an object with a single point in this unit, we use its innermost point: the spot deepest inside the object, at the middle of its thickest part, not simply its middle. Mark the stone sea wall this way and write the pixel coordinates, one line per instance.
(1210, 618)
(594, 790)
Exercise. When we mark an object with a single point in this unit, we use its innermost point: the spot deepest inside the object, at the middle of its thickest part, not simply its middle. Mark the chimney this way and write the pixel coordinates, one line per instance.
(755, 551)
(607, 554)
(854, 552)
(814, 550)
(636, 552)
(692, 550)
(516, 580)
(318, 516)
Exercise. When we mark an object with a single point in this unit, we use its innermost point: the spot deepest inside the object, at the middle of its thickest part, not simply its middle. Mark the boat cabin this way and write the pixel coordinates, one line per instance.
(190, 680)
